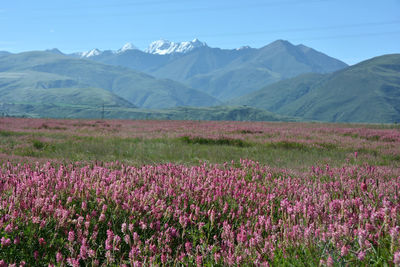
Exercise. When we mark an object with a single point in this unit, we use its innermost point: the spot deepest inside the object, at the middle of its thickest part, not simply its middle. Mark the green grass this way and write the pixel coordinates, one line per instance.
(219, 141)
(178, 150)
(64, 147)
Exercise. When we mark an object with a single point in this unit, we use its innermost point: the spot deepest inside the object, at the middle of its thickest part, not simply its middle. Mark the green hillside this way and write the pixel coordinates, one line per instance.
(366, 92)
(139, 89)
(227, 84)
(33, 87)
(225, 113)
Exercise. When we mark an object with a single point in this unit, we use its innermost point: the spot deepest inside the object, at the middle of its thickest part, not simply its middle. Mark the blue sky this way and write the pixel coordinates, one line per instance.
(350, 30)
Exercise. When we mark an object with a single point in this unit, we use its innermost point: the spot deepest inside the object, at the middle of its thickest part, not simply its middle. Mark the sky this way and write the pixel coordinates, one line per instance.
(350, 30)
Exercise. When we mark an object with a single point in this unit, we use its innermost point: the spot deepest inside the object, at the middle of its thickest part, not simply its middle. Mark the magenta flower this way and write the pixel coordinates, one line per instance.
(42, 242)
(396, 258)
(188, 247)
(329, 261)
(8, 228)
(59, 257)
(361, 255)
(5, 241)
(199, 260)
(71, 236)
(344, 251)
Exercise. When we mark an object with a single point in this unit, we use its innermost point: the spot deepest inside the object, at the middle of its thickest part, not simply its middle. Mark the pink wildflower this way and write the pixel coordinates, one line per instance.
(329, 261)
(123, 228)
(396, 258)
(344, 251)
(8, 228)
(361, 255)
(71, 236)
(5, 241)
(59, 257)
(42, 242)
(188, 247)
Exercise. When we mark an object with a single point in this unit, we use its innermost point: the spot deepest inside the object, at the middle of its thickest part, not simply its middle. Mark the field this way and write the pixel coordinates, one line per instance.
(140, 193)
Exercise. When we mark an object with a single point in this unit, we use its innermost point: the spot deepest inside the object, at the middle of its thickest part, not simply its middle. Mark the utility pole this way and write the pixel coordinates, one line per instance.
(102, 112)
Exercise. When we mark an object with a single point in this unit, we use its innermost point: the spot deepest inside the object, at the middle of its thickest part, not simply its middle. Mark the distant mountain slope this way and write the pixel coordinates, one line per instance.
(226, 113)
(31, 87)
(226, 84)
(366, 92)
(139, 89)
(227, 73)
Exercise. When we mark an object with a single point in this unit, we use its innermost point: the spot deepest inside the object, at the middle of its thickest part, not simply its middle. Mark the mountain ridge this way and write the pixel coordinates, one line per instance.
(215, 71)
(365, 92)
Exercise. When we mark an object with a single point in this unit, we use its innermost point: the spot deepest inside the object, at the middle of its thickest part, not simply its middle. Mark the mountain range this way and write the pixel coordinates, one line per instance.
(293, 81)
(32, 76)
(222, 73)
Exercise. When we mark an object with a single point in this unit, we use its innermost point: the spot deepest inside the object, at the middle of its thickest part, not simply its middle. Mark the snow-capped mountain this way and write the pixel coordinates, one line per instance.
(96, 52)
(243, 47)
(90, 53)
(160, 47)
(163, 47)
(126, 47)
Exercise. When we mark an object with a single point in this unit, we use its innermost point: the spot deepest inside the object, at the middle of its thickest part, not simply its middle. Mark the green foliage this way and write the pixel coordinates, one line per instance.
(38, 144)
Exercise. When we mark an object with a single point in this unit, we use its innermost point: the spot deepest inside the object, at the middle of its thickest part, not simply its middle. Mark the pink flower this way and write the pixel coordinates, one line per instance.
(163, 258)
(329, 261)
(71, 236)
(109, 240)
(188, 247)
(396, 258)
(127, 239)
(217, 256)
(83, 252)
(123, 228)
(5, 241)
(361, 255)
(84, 205)
(42, 242)
(59, 257)
(116, 242)
(344, 251)
(8, 228)
(364, 186)
(199, 260)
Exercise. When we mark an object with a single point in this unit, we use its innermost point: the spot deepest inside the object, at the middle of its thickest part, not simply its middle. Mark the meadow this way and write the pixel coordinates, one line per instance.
(141, 193)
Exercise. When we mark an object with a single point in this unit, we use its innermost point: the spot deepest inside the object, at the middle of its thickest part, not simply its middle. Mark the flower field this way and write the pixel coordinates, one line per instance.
(342, 210)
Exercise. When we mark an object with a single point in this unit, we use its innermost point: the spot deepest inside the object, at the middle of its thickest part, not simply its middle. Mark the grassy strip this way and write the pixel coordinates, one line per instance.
(185, 150)
(219, 141)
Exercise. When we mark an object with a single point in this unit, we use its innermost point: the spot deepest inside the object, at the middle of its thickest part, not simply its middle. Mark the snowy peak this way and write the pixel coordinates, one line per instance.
(243, 47)
(164, 47)
(91, 53)
(126, 47)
